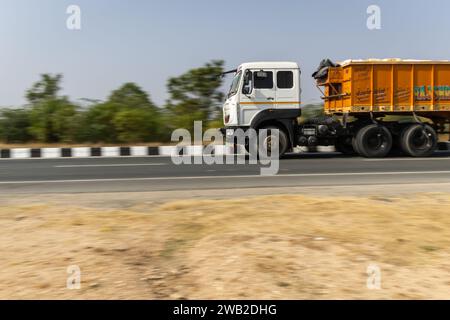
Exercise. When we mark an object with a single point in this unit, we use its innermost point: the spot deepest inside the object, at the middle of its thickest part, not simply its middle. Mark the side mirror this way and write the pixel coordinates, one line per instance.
(248, 82)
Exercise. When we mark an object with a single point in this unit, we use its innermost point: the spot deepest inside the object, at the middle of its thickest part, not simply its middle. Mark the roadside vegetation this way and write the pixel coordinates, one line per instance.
(127, 116)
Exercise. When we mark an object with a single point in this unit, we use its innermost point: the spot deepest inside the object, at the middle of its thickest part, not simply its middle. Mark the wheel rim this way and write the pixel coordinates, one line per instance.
(268, 144)
(377, 140)
(421, 139)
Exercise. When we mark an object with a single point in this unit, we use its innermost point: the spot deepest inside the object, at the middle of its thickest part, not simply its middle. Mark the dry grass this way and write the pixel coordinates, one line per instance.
(271, 247)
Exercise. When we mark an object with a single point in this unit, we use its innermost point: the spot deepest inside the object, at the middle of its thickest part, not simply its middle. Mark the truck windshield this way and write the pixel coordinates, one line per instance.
(235, 84)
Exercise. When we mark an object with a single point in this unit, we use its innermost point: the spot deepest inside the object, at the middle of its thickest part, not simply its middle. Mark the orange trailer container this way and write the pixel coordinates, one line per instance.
(389, 86)
(373, 91)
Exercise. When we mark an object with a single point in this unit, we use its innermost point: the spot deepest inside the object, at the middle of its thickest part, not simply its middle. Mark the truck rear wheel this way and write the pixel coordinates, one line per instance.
(355, 145)
(344, 146)
(373, 141)
(419, 140)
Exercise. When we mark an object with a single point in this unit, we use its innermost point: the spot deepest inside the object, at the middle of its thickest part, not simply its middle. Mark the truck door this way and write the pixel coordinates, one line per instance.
(287, 89)
(262, 97)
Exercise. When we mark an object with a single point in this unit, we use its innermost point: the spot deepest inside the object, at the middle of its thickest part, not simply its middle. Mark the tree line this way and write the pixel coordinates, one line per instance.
(127, 116)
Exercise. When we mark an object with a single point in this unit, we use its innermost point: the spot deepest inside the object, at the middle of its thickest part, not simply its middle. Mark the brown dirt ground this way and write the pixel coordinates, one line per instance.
(266, 247)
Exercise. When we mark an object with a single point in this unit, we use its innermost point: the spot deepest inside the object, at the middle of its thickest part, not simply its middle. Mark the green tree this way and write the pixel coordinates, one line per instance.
(135, 125)
(46, 88)
(53, 121)
(52, 116)
(130, 95)
(14, 125)
(98, 125)
(127, 116)
(195, 95)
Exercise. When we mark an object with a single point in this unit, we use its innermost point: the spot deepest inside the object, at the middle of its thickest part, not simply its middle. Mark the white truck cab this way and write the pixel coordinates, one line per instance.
(261, 86)
(264, 94)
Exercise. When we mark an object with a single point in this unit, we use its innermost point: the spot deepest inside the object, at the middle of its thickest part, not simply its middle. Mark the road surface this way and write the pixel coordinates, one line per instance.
(160, 174)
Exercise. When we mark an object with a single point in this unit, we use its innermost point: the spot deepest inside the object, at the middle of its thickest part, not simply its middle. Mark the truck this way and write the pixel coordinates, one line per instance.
(372, 107)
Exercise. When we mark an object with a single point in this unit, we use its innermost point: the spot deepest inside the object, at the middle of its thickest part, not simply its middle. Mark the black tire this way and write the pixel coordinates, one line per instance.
(283, 141)
(344, 146)
(374, 141)
(355, 145)
(419, 140)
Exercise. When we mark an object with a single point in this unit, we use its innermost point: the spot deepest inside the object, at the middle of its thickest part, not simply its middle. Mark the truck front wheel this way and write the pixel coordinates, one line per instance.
(264, 147)
(373, 141)
(419, 140)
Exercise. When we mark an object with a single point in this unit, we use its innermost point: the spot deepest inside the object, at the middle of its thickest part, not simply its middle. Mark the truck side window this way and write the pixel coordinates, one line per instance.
(263, 79)
(285, 79)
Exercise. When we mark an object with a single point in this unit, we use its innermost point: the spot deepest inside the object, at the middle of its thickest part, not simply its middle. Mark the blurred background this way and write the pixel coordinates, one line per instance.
(138, 69)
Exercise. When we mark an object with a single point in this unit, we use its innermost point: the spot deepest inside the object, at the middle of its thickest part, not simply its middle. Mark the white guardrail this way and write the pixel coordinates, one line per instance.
(133, 151)
(142, 151)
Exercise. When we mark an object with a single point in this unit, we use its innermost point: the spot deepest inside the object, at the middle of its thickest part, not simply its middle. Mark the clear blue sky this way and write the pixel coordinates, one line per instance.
(147, 41)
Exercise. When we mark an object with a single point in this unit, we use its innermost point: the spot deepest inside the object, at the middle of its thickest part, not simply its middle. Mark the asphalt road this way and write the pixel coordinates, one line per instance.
(160, 174)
